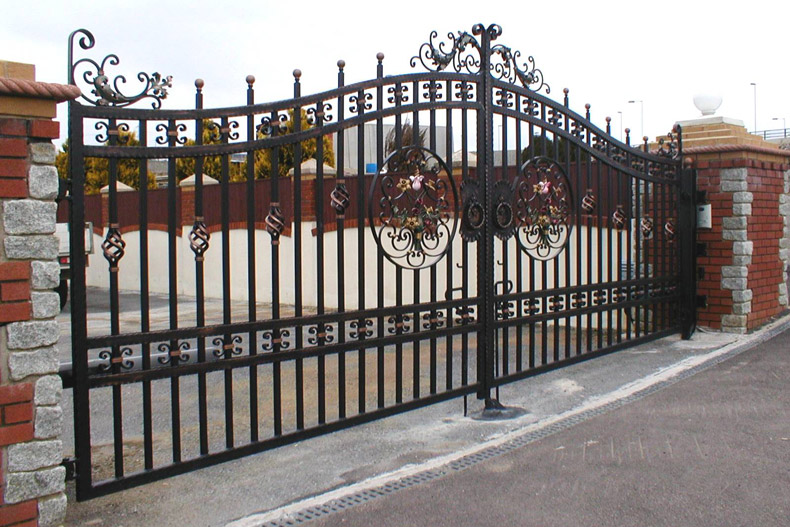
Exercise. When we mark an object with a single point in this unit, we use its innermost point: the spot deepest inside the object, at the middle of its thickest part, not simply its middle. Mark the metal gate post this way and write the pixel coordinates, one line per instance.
(79, 330)
(485, 253)
(687, 218)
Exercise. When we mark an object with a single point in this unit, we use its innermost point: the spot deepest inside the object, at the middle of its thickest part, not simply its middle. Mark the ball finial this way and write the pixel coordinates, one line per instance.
(250, 79)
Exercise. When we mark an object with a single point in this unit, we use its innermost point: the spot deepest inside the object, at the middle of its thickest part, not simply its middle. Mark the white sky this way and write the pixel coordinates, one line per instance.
(606, 52)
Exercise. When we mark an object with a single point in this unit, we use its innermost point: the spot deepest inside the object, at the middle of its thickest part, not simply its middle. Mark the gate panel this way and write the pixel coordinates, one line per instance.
(316, 263)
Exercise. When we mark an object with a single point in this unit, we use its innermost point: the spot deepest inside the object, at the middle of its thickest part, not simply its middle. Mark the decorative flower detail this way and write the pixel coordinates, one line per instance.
(543, 207)
(414, 217)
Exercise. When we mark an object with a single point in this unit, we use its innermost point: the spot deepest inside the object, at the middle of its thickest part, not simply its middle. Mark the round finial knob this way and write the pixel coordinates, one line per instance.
(250, 79)
(380, 56)
(565, 91)
(341, 64)
(199, 84)
(587, 106)
(628, 130)
(608, 119)
(297, 73)
(644, 138)
(707, 103)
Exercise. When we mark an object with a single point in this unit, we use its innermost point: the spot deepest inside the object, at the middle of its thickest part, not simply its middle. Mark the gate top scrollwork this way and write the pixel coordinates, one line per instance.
(463, 53)
(412, 207)
(108, 92)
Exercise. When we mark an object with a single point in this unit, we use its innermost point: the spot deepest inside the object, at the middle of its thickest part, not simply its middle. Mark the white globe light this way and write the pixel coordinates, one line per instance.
(707, 104)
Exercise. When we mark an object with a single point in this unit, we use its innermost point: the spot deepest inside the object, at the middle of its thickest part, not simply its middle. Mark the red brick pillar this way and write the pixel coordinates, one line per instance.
(746, 181)
(30, 415)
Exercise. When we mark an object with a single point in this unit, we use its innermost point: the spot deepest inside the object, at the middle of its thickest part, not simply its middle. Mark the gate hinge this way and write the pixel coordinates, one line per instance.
(702, 301)
(71, 467)
(702, 249)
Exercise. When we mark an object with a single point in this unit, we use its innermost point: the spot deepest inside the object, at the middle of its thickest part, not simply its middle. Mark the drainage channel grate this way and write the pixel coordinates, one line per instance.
(363, 496)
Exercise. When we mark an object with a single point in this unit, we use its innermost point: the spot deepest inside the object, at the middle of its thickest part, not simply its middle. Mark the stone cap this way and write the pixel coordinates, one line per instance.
(120, 187)
(190, 181)
(310, 168)
(22, 96)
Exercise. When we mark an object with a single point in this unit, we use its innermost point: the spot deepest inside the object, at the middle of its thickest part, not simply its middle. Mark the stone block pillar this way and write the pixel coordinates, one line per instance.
(30, 414)
(747, 183)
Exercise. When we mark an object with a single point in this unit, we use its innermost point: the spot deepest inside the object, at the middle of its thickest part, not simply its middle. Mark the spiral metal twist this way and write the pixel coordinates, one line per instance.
(199, 239)
(113, 247)
(340, 199)
(275, 222)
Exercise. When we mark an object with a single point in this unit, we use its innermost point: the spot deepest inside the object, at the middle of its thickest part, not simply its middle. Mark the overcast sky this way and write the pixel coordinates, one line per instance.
(606, 52)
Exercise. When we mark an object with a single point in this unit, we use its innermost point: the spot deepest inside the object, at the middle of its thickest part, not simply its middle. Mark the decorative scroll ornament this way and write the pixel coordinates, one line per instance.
(410, 212)
(543, 205)
(227, 349)
(463, 53)
(107, 92)
(116, 360)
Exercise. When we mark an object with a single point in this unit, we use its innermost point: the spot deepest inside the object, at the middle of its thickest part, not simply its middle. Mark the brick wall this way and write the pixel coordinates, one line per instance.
(33, 482)
(746, 258)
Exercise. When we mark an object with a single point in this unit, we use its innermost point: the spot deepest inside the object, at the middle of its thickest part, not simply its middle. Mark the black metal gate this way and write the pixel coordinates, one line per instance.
(258, 298)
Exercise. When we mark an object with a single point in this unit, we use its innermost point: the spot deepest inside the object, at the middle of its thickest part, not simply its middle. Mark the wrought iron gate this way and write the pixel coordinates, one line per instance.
(410, 262)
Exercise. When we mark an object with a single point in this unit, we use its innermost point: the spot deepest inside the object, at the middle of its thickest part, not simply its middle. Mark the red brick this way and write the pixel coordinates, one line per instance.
(13, 168)
(13, 188)
(18, 413)
(15, 291)
(19, 512)
(16, 393)
(15, 312)
(13, 127)
(12, 434)
(13, 147)
(45, 129)
(14, 271)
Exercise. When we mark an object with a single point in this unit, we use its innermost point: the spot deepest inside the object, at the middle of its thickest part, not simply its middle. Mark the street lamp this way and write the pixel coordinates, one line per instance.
(641, 115)
(755, 104)
(621, 124)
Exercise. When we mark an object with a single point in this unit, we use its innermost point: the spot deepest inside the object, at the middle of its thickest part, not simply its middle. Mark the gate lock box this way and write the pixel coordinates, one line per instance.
(704, 216)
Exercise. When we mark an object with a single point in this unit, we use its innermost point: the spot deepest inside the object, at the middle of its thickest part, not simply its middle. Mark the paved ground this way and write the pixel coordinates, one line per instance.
(708, 450)
(713, 449)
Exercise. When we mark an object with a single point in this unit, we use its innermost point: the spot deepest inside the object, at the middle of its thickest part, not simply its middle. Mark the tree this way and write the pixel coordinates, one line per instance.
(406, 139)
(285, 157)
(97, 170)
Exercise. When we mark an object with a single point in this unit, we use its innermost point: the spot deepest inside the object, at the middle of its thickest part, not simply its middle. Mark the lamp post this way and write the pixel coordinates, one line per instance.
(755, 105)
(621, 124)
(784, 124)
(641, 115)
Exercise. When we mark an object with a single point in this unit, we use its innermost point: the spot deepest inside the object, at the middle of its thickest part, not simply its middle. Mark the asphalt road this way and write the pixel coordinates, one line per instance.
(710, 450)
